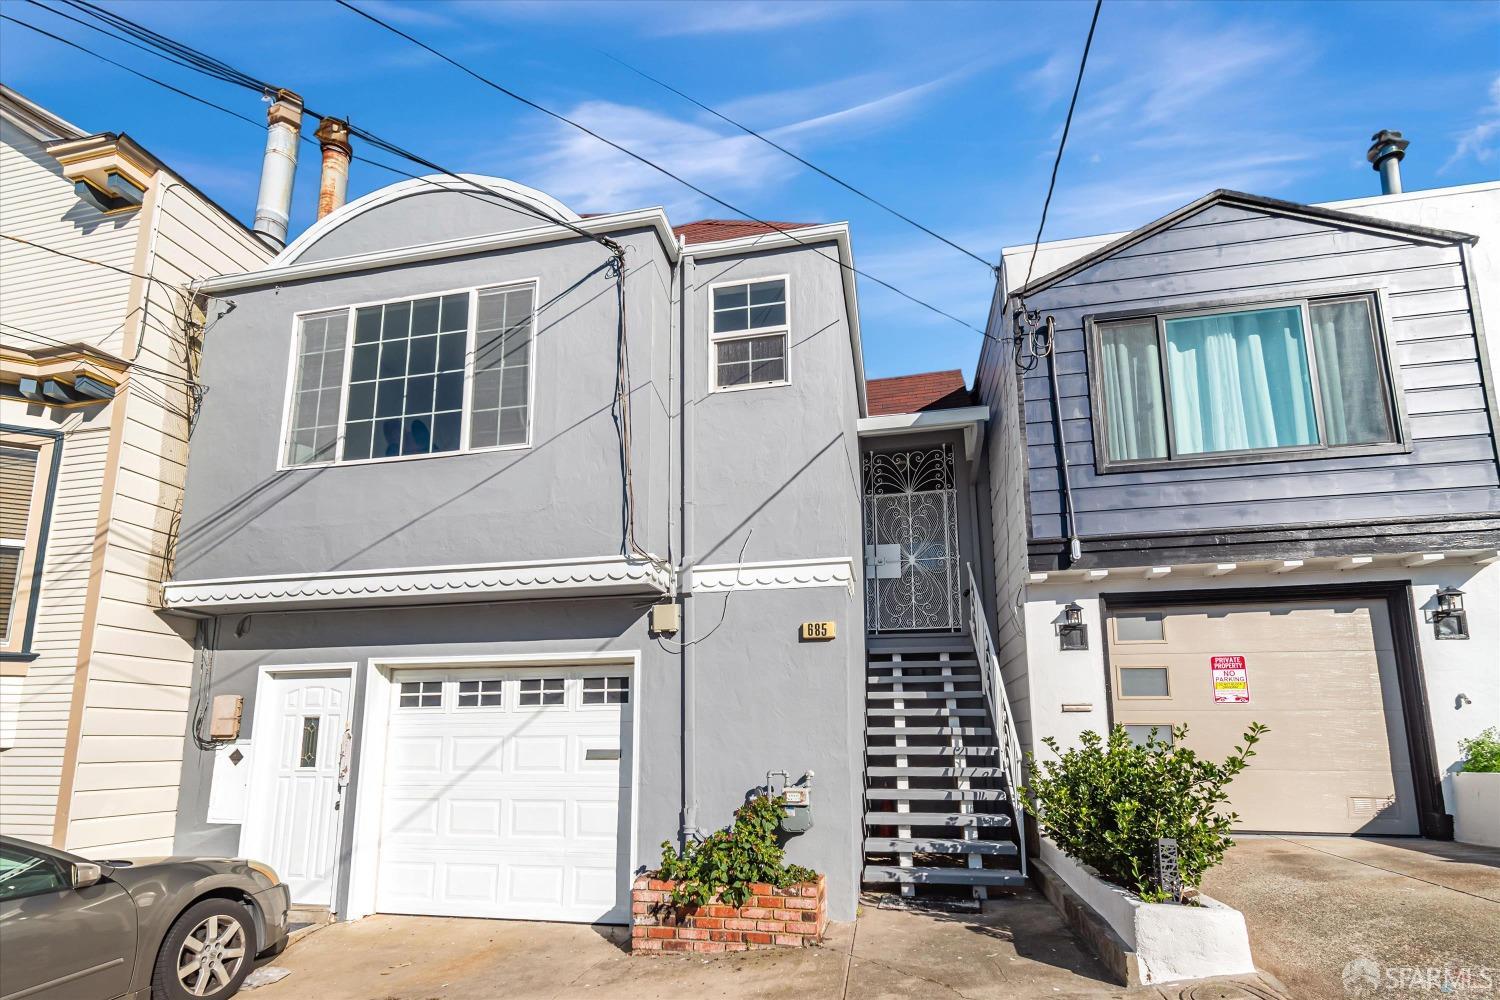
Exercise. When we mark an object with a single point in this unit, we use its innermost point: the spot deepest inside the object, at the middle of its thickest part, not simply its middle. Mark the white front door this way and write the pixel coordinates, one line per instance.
(507, 794)
(293, 823)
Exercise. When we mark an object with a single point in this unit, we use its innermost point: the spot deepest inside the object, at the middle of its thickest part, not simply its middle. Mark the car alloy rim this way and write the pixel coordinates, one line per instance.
(211, 955)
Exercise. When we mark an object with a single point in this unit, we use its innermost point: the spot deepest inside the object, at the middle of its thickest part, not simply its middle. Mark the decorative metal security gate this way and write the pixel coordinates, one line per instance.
(911, 541)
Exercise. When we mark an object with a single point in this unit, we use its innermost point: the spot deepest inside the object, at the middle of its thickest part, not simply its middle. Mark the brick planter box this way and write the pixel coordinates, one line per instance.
(771, 918)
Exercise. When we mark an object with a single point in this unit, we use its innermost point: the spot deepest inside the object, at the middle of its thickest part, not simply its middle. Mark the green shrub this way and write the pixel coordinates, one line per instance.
(1482, 753)
(1107, 802)
(726, 861)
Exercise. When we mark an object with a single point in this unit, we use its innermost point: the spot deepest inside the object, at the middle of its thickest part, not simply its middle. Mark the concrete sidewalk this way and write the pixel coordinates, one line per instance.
(1406, 910)
(1018, 947)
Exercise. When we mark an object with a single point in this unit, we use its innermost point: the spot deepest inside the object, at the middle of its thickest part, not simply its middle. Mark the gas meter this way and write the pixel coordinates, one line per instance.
(796, 814)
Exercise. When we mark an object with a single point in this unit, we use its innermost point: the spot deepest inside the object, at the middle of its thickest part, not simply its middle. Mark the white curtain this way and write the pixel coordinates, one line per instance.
(1136, 419)
(1240, 381)
(1349, 375)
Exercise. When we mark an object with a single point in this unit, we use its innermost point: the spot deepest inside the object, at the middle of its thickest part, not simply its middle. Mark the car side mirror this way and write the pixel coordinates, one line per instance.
(86, 874)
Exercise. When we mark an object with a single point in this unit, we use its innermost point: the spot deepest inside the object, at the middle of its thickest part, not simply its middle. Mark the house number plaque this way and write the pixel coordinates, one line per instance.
(818, 631)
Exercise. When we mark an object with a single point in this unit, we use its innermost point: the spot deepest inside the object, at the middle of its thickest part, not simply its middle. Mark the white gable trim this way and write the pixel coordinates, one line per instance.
(543, 204)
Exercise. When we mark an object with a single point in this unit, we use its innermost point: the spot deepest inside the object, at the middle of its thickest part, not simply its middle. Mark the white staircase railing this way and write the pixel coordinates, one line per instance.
(993, 685)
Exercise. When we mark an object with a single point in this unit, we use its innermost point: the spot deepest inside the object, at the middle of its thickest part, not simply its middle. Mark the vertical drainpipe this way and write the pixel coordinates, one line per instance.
(1387, 150)
(688, 635)
(273, 206)
(333, 185)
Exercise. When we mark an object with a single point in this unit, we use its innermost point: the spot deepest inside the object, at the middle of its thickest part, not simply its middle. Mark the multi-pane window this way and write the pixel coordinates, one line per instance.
(405, 378)
(502, 367)
(18, 472)
(480, 694)
(319, 388)
(750, 333)
(606, 690)
(421, 694)
(541, 691)
(1307, 376)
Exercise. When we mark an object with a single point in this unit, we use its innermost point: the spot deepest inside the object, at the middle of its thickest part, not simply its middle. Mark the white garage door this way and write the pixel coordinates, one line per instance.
(507, 795)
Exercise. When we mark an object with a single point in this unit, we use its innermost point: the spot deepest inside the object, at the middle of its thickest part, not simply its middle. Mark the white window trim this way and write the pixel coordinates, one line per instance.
(783, 329)
(472, 291)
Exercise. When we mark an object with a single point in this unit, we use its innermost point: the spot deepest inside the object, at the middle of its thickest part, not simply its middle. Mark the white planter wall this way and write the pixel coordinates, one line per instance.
(1476, 808)
(1170, 942)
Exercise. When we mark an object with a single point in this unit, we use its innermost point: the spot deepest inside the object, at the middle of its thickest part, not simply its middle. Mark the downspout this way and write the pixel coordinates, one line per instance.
(1075, 546)
(689, 829)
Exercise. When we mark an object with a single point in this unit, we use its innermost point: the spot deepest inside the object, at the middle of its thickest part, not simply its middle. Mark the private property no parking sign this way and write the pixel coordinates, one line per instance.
(1231, 680)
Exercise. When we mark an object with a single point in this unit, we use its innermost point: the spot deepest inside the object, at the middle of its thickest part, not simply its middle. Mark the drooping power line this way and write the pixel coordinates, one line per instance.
(1063, 142)
(811, 166)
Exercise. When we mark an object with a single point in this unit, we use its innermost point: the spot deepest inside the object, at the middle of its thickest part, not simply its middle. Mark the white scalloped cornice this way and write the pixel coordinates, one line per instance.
(420, 585)
(836, 572)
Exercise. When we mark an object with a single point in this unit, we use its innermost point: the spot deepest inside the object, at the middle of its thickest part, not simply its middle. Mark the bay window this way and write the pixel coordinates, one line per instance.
(424, 376)
(28, 469)
(1268, 381)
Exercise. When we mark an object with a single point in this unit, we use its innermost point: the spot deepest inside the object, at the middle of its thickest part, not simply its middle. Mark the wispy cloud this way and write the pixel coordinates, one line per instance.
(590, 176)
(1482, 141)
(748, 16)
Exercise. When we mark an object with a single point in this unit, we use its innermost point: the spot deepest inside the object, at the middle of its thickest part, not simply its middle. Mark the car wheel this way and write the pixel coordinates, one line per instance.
(208, 952)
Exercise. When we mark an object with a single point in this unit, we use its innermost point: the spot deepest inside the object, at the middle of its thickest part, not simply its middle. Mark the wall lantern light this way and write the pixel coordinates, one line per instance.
(1072, 633)
(1450, 620)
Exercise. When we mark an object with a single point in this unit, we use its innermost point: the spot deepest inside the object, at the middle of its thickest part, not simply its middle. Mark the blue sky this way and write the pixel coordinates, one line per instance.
(949, 112)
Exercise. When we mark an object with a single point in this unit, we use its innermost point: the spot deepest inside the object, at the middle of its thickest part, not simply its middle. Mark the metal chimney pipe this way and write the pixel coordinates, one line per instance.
(278, 169)
(333, 186)
(1387, 150)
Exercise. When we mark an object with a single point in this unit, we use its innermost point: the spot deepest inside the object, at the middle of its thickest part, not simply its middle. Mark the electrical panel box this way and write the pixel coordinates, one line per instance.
(666, 618)
(224, 723)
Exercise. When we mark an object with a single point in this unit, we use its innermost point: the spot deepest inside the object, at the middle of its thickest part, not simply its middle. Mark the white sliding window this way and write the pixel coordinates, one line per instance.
(318, 391)
(502, 368)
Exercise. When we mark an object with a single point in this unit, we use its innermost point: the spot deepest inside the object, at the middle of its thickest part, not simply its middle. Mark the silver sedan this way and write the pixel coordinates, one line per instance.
(142, 929)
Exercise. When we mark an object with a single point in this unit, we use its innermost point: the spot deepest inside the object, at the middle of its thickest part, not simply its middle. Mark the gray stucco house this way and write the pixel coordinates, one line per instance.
(466, 457)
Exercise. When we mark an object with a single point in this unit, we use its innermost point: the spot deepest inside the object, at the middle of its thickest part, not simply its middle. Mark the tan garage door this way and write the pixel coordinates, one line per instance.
(1322, 675)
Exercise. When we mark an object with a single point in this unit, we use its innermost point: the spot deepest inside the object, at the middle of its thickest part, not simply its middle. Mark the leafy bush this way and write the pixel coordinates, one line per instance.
(1482, 753)
(726, 861)
(1107, 802)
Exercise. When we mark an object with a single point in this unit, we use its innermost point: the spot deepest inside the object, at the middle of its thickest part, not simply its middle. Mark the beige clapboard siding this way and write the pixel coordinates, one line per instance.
(40, 205)
(140, 672)
(31, 771)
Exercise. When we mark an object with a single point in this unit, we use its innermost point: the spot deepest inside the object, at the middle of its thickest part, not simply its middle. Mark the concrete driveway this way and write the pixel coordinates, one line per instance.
(1412, 910)
(1017, 948)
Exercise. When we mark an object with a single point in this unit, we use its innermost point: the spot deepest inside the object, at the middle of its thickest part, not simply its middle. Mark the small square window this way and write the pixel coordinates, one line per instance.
(1141, 735)
(1143, 682)
(606, 690)
(541, 691)
(421, 694)
(480, 694)
(1143, 626)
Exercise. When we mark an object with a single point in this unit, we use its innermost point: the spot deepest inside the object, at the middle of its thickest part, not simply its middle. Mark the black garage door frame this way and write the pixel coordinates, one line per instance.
(1433, 819)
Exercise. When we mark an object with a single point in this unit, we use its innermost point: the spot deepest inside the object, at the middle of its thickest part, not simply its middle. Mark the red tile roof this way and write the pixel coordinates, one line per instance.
(915, 393)
(709, 230)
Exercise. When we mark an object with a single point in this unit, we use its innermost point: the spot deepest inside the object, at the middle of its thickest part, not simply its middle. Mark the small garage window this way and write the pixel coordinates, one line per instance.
(421, 694)
(480, 694)
(537, 691)
(1143, 682)
(606, 690)
(1159, 732)
(1140, 626)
